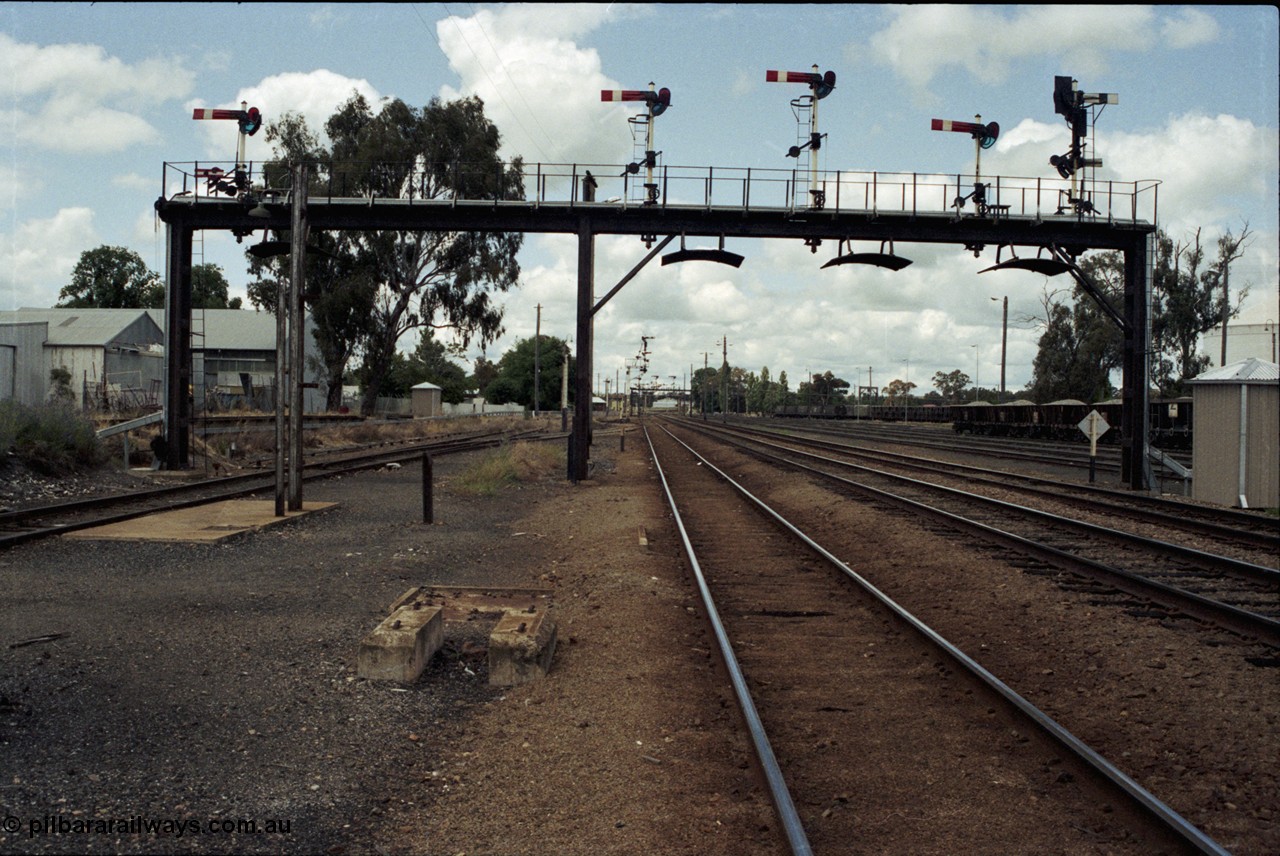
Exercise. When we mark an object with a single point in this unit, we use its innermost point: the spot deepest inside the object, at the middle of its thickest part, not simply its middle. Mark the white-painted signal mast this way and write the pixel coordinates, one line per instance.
(657, 101)
(820, 86)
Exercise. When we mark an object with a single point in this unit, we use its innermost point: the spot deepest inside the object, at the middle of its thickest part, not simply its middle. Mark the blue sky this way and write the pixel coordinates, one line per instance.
(97, 97)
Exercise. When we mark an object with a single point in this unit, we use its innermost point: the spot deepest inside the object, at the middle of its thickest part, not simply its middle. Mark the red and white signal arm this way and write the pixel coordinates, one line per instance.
(199, 113)
(822, 84)
(985, 134)
(250, 120)
(658, 101)
(791, 77)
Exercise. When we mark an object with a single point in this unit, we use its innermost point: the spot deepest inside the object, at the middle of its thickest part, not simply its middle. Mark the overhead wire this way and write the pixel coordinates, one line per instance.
(484, 67)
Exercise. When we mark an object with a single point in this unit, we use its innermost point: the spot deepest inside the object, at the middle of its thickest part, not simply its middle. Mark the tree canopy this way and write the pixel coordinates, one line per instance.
(402, 281)
(1080, 346)
(951, 385)
(513, 382)
(209, 288)
(112, 278)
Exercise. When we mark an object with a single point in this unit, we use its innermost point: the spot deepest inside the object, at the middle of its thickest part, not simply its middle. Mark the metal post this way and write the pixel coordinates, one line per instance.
(428, 502)
(282, 339)
(537, 359)
(581, 449)
(297, 336)
(177, 344)
(1134, 466)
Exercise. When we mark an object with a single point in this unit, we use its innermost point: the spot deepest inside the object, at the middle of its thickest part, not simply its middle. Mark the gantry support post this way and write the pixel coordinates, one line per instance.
(582, 378)
(177, 346)
(1135, 468)
(297, 334)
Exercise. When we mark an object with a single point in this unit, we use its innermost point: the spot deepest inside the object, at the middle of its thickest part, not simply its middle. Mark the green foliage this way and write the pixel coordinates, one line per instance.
(1081, 345)
(951, 385)
(1187, 301)
(340, 290)
(417, 280)
(823, 389)
(112, 278)
(51, 438)
(209, 288)
(428, 363)
(514, 380)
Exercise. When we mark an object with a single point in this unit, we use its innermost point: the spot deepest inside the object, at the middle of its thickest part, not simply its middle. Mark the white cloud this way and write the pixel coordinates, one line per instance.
(65, 96)
(922, 42)
(1208, 165)
(1189, 27)
(314, 94)
(134, 181)
(539, 87)
(37, 259)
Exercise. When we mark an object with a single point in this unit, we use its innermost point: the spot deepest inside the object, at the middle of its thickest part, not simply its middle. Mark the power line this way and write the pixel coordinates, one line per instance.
(484, 67)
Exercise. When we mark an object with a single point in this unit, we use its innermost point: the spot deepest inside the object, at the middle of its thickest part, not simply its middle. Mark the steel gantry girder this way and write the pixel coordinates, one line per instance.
(1071, 234)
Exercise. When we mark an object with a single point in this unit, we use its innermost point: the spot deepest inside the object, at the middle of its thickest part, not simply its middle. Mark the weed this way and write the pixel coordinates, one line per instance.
(509, 465)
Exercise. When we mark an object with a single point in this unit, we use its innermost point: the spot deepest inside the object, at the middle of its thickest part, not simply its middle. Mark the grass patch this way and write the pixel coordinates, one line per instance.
(51, 438)
(509, 465)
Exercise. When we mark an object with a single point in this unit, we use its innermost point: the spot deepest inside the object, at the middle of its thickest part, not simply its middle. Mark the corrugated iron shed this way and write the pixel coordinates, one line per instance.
(1252, 370)
(90, 327)
(1235, 435)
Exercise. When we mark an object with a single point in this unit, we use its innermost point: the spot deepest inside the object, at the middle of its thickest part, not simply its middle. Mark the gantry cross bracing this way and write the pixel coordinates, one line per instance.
(734, 203)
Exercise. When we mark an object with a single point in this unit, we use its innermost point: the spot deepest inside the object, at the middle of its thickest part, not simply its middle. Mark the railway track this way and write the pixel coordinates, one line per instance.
(1049, 453)
(856, 707)
(1235, 594)
(1251, 532)
(29, 524)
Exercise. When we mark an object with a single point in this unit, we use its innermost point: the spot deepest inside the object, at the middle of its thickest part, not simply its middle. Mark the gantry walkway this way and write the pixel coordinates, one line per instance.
(1057, 219)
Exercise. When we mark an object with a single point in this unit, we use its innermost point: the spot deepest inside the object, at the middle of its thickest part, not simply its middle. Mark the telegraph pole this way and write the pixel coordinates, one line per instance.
(537, 358)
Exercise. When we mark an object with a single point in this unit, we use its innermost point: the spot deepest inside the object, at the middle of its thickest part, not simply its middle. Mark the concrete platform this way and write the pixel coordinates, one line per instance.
(199, 525)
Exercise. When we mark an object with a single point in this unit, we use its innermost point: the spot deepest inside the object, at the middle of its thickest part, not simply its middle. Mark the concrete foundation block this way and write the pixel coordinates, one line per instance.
(520, 648)
(400, 647)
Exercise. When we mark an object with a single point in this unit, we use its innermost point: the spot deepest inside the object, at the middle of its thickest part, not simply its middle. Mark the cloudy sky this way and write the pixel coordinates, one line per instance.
(98, 97)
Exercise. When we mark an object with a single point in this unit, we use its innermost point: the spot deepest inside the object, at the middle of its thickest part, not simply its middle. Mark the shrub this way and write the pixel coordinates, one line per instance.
(51, 438)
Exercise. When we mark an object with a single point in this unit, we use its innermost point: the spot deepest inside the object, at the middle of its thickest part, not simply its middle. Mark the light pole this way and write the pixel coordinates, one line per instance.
(975, 373)
(1004, 345)
(724, 381)
(906, 408)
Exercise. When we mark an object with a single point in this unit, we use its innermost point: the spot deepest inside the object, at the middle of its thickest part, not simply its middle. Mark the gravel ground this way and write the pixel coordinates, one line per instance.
(200, 687)
(199, 684)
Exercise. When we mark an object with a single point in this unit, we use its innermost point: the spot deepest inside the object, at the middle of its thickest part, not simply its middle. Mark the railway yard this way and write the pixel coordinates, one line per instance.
(947, 647)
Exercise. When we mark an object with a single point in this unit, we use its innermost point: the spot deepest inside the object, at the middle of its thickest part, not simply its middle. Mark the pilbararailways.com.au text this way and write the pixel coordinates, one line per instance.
(55, 824)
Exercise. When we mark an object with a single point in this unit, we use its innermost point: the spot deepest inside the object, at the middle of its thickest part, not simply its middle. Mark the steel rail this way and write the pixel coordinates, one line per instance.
(1222, 614)
(253, 483)
(1109, 499)
(1239, 567)
(1162, 812)
(785, 806)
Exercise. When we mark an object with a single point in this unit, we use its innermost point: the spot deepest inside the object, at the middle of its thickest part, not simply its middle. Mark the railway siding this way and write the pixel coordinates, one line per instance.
(1182, 709)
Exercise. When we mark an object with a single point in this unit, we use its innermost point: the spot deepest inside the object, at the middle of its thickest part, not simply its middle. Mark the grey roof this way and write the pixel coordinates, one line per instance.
(426, 384)
(1252, 370)
(89, 327)
(231, 329)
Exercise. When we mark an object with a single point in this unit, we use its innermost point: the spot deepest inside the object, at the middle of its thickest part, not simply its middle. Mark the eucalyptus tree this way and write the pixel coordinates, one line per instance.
(401, 281)
(112, 278)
